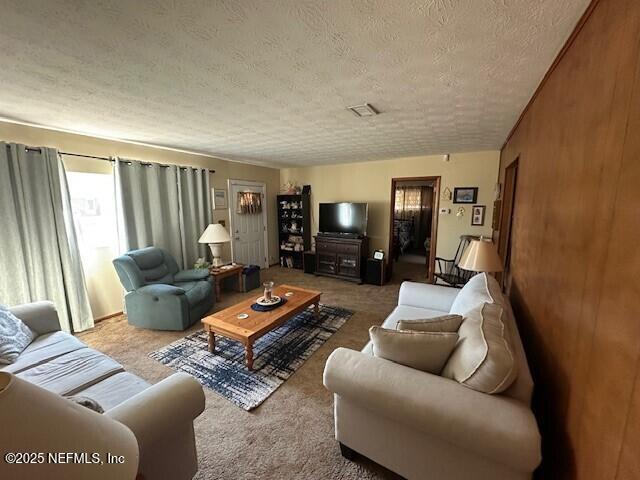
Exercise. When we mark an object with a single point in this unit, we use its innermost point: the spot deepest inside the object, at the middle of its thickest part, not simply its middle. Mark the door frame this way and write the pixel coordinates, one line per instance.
(234, 182)
(431, 264)
(506, 219)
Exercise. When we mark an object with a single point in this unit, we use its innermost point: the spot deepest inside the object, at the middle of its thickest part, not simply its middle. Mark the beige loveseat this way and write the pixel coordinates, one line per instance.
(160, 416)
(425, 426)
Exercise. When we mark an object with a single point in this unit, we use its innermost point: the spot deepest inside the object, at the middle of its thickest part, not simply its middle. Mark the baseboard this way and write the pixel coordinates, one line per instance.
(106, 317)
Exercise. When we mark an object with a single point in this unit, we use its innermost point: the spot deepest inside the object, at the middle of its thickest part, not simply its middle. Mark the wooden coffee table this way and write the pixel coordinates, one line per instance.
(248, 330)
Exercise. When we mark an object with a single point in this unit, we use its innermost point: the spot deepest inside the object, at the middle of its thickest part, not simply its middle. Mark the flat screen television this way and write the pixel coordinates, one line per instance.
(343, 218)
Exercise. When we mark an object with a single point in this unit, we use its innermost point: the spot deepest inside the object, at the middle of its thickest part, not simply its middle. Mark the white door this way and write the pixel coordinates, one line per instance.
(248, 231)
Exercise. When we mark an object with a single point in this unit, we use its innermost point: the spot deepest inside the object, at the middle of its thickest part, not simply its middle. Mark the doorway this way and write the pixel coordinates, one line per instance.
(412, 227)
(248, 216)
(506, 223)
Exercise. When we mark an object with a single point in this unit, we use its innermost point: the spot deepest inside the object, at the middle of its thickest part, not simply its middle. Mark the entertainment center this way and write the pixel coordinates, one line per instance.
(341, 257)
(342, 245)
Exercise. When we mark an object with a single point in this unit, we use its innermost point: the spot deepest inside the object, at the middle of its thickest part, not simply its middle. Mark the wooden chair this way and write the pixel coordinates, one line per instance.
(448, 271)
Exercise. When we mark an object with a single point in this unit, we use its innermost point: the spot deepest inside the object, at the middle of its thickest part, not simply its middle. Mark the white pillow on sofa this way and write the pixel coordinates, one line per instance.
(426, 351)
(484, 357)
(479, 289)
(15, 336)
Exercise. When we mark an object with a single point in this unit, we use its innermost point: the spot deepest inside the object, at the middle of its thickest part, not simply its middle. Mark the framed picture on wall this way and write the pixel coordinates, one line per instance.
(219, 198)
(465, 194)
(477, 215)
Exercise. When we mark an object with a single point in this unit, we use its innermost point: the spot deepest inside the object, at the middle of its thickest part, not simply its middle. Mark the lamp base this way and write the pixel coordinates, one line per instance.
(216, 251)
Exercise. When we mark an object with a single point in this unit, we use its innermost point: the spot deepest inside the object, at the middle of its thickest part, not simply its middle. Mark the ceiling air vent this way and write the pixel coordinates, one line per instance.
(364, 110)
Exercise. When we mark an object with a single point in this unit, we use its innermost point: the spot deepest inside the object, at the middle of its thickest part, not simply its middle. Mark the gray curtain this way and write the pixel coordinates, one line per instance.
(195, 209)
(39, 253)
(164, 206)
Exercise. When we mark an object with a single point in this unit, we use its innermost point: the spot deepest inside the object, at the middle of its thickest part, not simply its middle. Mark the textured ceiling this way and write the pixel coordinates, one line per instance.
(268, 81)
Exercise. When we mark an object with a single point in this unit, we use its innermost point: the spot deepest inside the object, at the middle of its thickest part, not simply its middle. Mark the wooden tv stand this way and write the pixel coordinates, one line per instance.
(341, 257)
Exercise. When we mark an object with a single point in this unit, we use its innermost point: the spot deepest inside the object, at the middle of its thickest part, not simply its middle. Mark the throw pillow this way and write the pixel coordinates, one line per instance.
(426, 351)
(475, 292)
(444, 323)
(484, 358)
(14, 336)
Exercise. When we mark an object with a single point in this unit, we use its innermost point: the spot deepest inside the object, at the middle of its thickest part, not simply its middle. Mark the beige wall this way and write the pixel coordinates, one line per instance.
(361, 182)
(371, 182)
(103, 288)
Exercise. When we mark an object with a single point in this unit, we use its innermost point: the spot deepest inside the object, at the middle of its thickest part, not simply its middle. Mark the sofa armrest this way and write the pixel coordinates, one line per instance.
(191, 275)
(492, 426)
(153, 413)
(424, 295)
(41, 317)
(160, 289)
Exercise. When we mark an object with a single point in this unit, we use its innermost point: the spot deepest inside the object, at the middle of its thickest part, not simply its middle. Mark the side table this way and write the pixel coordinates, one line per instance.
(219, 273)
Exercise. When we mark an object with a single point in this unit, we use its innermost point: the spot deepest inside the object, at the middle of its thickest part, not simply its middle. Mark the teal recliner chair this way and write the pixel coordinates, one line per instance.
(159, 295)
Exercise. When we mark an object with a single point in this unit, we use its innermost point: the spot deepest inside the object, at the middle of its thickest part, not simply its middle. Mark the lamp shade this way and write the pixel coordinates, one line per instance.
(481, 256)
(215, 233)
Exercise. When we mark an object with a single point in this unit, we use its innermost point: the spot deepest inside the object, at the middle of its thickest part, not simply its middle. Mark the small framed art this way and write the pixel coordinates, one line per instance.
(465, 194)
(219, 198)
(477, 215)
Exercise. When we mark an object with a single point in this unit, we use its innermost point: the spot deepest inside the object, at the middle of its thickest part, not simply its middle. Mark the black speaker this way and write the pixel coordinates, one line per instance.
(375, 272)
(309, 261)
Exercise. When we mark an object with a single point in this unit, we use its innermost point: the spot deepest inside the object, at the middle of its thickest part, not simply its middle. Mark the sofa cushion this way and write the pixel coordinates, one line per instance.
(72, 372)
(152, 264)
(114, 390)
(485, 287)
(443, 323)
(404, 312)
(426, 351)
(147, 258)
(481, 288)
(159, 274)
(196, 292)
(15, 336)
(484, 357)
(44, 348)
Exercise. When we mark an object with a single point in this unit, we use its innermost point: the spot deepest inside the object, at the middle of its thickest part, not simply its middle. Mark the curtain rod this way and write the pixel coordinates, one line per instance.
(106, 159)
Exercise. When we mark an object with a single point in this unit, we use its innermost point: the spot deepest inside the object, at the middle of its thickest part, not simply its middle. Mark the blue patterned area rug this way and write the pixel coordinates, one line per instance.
(277, 355)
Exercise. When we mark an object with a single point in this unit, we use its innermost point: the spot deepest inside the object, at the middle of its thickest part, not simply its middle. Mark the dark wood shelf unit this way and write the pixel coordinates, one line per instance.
(341, 257)
(301, 216)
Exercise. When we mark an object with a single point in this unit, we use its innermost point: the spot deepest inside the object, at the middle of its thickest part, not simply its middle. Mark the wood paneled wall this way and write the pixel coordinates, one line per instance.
(575, 252)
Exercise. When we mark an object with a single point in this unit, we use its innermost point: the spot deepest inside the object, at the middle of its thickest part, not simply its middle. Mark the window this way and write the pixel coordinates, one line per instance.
(408, 200)
(94, 212)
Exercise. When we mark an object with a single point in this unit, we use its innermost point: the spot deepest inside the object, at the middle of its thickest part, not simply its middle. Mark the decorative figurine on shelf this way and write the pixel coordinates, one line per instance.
(290, 188)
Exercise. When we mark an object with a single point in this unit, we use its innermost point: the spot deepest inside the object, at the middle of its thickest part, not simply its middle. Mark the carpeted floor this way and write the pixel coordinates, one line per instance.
(290, 436)
(410, 271)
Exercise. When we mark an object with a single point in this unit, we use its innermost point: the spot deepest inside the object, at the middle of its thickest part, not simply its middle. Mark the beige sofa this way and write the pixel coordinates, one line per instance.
(160, 416)
(424, 426)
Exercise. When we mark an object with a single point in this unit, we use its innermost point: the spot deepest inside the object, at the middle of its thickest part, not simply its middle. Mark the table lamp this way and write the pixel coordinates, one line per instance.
(215, 235)
(481, 256)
